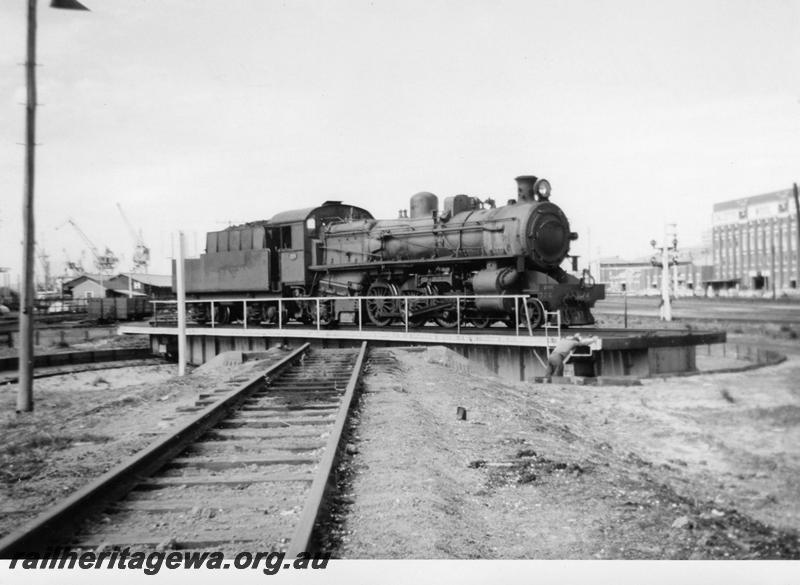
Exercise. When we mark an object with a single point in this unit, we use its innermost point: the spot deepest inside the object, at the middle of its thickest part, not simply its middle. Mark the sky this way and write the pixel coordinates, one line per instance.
(194, 114)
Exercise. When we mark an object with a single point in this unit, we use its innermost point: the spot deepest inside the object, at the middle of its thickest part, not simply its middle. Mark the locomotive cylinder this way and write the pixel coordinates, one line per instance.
(494, 282)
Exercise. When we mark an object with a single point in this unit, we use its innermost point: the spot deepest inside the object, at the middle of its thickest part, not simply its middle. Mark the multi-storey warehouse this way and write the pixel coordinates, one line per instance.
(755, 242)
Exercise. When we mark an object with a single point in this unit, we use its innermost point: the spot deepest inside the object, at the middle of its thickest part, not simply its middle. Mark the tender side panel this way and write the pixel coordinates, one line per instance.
(236, 260)
(233, 271)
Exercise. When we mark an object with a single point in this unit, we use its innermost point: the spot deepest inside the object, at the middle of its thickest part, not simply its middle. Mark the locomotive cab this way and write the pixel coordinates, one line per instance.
(297, 243)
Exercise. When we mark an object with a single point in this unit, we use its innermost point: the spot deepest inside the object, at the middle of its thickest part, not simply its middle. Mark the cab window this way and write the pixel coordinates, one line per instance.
(285, 238)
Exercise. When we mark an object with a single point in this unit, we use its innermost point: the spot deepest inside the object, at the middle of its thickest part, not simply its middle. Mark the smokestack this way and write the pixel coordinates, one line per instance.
(525, 192)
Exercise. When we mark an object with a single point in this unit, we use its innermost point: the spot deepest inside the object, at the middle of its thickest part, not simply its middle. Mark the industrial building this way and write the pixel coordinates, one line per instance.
(87, 286)
(755, 243)
(155, 286)
(125, 284)
(751, 247)
(690, 275)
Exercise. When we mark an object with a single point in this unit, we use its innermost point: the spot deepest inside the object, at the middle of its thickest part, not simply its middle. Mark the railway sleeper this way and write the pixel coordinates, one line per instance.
(290, 408)
(223, 445)
(197, 540)
(230, 502)
(161, 482)
(200, 462)
(264, 434)
(287, 391)
(268, 424)
(288, 415)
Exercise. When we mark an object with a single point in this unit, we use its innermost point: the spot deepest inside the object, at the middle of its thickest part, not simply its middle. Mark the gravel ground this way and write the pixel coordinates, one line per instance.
(695, 467)
(701, 467)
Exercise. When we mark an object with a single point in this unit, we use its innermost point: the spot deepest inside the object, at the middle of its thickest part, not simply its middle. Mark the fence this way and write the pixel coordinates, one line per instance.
(58, 306)
(404, 306)
(58, 336)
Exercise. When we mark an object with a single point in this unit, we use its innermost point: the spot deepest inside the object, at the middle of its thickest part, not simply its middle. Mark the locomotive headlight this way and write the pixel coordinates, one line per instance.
(542, 189)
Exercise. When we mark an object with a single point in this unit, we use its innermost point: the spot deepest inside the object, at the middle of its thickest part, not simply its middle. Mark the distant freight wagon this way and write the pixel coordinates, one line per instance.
(109, 310)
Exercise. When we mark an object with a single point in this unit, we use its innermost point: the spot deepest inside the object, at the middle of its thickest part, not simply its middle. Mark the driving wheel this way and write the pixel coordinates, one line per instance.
(447, 317)
(381, 310)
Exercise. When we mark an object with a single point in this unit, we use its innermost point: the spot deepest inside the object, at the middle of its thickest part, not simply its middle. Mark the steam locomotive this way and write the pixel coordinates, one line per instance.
(336, 251)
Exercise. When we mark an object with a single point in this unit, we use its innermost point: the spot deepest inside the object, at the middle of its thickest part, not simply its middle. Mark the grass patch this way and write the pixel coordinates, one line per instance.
(39, 441)
(23, 459)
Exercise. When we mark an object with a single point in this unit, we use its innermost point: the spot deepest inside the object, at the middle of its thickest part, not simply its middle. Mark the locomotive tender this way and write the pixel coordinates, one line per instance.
(335, 251)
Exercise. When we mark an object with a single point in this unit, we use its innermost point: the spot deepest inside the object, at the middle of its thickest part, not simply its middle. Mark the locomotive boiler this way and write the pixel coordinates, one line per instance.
(468, 247)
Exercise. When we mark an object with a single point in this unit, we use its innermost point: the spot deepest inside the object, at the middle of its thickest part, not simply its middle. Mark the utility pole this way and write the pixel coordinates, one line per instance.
(625, 297)
(797, 246)
(666, 304)
(25, 392)
(670, 231)
(181, 282)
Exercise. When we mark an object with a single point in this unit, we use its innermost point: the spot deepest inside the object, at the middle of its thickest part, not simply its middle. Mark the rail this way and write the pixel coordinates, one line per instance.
(407, 301)
(301, 540)
(62, 518)
(301, 397)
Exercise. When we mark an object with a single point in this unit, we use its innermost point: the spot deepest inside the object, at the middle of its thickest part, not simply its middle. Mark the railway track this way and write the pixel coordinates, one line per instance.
(248, 472)
(14, 378)
(59, 364)
(9, 325)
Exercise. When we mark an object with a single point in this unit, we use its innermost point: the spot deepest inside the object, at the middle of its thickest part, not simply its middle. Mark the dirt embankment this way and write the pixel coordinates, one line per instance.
(700, 467)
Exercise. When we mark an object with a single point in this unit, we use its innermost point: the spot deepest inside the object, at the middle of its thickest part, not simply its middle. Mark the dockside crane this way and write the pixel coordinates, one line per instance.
(44, 259)
(141, 253)
(105, 262)
(76, 267)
